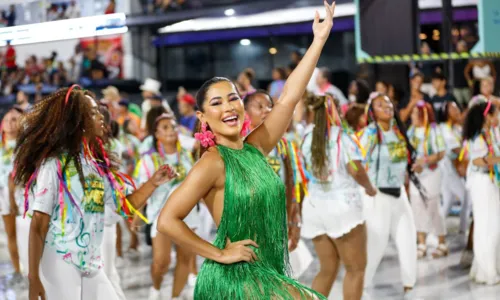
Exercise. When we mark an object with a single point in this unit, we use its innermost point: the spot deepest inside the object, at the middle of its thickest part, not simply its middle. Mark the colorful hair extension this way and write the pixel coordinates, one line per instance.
(487, 109)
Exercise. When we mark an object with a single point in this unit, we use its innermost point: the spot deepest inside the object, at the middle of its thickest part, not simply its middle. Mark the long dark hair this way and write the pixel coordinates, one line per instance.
(53, 128)
(165, 116)
(200, 99)
(412, 153)
(475, 119)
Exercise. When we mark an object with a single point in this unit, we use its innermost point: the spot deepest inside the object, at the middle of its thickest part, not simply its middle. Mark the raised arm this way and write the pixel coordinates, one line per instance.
(267, 135)
(201, 182)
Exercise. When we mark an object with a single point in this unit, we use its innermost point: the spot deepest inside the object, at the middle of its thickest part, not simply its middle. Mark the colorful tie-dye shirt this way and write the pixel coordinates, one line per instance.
(79, 241)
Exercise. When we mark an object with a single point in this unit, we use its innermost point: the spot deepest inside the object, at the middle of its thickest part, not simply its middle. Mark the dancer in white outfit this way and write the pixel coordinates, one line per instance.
(333, 211)
(8, 207)
(452, 170)
(166, 149)
(426, 137)
(483, 180)
(389, 158)
(63, 165)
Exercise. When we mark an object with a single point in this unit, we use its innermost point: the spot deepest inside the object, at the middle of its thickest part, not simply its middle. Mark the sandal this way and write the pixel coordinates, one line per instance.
(441, 251)
(421, 251)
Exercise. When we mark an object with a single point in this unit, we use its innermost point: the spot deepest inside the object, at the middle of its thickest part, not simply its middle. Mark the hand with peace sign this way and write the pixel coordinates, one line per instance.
(322, 30)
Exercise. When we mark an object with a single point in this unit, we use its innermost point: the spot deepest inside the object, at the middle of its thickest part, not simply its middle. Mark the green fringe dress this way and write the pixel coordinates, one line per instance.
(254, 208)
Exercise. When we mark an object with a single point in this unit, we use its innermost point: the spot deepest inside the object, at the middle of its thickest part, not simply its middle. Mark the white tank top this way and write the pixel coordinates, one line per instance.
(481, 72)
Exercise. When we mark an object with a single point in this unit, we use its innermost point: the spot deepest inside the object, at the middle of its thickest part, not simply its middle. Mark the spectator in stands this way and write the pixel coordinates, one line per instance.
(52, 13)
(276, 87)
(76, 63)
(407, 104)
(124, 114)
(22, 100)
(111, 98)
(245, 81)
(359, 91)
(187, 105)
(324, 86)
(151, 96)
(461, 88)
(479, 69)
(73, 10)
(382, 87)
(427, 69)
(110, 9)
(10, 58)
(438, 101)
(295, 58)
(10, 17)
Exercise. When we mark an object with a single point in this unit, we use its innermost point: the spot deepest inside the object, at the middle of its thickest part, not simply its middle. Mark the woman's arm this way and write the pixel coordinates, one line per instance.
(201, 180)
(267, 135)
(487, 161)
(359, 174)
(38, 231)
(139, 197)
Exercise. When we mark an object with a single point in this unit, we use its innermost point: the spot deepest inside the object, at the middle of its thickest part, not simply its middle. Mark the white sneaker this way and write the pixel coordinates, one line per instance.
(154, 294)
(192, 280)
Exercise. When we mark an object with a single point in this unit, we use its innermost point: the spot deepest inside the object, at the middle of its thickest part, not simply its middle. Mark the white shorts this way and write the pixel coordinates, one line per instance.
(334, 218)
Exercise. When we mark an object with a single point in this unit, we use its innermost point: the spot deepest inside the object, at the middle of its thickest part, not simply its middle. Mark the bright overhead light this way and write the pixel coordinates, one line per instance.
(273, 51)
(229, 12)
(245, 42)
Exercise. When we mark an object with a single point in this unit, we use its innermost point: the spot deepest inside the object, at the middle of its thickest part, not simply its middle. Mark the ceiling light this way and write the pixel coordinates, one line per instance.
(273, 51)
(229, 12)
(245, 42)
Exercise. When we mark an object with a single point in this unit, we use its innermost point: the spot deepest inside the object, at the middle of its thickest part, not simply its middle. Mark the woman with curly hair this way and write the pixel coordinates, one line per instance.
(333, 210)
(71, 181)
(483, 181)
(8, 207)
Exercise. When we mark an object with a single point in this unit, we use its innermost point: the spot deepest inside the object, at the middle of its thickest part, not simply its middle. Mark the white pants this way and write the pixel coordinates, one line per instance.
(387, 216)
(452, 188)
(64, 281)
(22, 237)
(206, 222)
(427, 213)
(486, 207)
(109, 257)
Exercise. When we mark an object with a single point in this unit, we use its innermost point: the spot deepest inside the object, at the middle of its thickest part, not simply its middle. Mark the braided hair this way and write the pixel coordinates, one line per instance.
(412, 153)
(319, 140)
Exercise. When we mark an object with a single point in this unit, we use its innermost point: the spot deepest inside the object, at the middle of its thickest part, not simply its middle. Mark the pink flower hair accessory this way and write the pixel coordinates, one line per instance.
(245, 130)
(205, 137)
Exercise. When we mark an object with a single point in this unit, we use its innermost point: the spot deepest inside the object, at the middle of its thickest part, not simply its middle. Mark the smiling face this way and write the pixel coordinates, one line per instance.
(383, 109)
(223, 110)
(166, 132)
(97, 117)
(259, 107)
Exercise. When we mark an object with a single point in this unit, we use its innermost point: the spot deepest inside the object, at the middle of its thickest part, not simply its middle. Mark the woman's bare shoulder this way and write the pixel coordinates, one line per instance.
(210, 163)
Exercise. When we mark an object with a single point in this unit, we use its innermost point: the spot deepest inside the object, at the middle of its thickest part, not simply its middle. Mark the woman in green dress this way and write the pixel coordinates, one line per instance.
(249, 258)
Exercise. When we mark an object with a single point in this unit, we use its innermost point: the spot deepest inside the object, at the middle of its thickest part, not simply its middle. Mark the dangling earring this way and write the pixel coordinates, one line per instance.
(205, 137)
